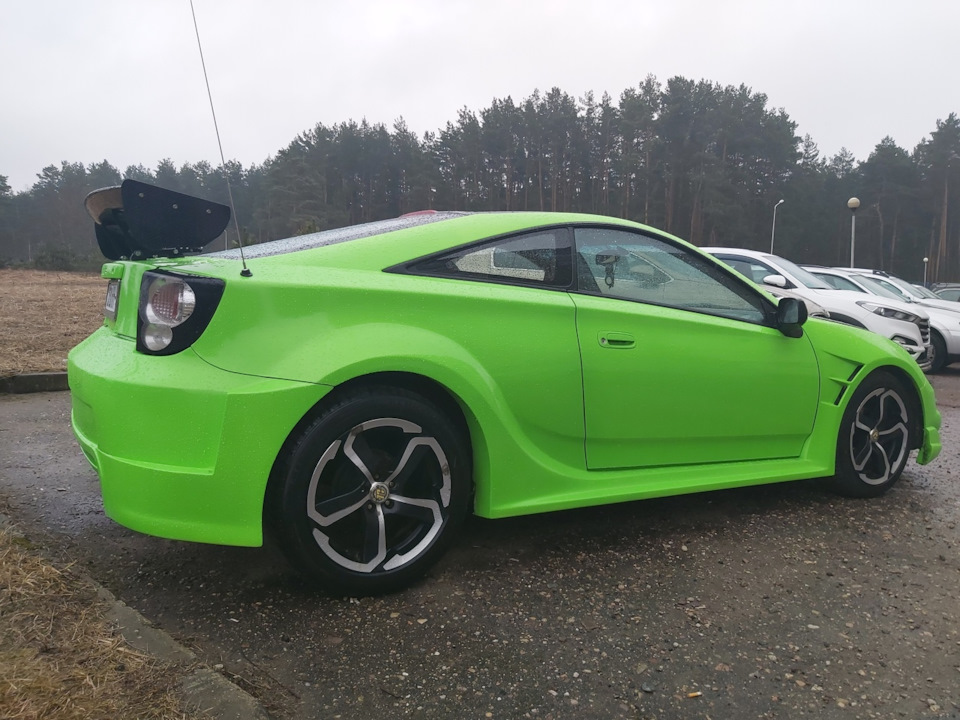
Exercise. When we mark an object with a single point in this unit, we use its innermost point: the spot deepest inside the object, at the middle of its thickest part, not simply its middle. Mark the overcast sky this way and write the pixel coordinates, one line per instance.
(121, 80)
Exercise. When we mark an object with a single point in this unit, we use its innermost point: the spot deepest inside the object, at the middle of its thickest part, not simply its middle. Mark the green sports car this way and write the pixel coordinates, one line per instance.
(358, 391)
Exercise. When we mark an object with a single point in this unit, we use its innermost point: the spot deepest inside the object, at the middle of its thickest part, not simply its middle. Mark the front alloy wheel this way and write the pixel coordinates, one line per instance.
(376, 488)
(874, 441)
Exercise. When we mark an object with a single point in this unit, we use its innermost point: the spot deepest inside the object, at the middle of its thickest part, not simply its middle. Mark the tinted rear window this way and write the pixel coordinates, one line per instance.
(332, 237)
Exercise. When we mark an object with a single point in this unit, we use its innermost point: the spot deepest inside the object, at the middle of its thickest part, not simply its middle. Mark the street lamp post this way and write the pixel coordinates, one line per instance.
(773, 230)
(853, 203)
(925, 261)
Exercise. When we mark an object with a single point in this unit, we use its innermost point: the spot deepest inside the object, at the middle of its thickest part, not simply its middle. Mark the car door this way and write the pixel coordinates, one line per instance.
(681, 364)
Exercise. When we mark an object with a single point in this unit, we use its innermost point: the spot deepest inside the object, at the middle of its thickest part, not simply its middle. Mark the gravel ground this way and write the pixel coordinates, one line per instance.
(778, 601)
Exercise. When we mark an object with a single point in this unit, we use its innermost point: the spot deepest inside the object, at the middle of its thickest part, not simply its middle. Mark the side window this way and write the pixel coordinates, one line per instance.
(631, 266)
(950, 294)
(538, 258)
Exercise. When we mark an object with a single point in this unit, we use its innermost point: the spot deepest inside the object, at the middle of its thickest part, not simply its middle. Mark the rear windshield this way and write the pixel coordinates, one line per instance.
(332, 237)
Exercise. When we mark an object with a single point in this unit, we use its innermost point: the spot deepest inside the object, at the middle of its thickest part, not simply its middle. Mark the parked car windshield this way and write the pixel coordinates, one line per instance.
(923, 292)
(804, 277)
(877, 288)
(904, 287)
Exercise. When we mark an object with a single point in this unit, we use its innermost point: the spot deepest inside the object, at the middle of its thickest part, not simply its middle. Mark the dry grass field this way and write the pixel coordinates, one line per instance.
(44, 314)
(60, 659)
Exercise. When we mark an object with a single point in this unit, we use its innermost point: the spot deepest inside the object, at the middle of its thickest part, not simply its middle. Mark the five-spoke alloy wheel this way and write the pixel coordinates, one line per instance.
(375, 489)
(874, 440)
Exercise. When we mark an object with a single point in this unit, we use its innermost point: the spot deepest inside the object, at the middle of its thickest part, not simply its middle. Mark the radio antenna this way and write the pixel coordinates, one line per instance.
(223, 161)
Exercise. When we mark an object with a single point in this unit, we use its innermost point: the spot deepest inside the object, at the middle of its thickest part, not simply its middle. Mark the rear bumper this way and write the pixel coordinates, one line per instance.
(183, 449)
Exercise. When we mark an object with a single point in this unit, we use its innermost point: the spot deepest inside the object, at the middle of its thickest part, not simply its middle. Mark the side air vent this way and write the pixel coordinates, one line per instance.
(846, 385)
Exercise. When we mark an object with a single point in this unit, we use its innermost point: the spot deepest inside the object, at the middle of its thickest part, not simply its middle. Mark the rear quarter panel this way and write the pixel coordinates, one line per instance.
(509, 355)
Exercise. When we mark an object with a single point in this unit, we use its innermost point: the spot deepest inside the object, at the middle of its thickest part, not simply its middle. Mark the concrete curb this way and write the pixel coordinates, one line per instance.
(33, 382)
(201, 688)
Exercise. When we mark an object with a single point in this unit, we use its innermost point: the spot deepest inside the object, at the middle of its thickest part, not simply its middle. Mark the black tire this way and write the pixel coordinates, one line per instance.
(374, 491)
(939, 347)
(874, 440)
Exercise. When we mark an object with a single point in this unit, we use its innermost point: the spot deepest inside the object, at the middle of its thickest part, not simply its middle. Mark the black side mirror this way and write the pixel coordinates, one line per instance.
(791, 315)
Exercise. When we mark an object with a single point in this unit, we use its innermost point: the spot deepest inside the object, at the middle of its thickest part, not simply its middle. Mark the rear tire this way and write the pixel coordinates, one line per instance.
(874, 440)
(373, 493)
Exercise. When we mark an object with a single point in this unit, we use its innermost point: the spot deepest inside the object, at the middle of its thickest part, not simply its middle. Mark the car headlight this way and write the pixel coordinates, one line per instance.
(174, 311)
(889, 312)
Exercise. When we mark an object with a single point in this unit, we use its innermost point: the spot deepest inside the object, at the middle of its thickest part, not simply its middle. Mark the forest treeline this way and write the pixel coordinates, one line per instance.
(703, 161)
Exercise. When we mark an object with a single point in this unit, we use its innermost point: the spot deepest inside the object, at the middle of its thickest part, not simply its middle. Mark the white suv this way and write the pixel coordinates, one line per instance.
(944, 315)
(905, 326)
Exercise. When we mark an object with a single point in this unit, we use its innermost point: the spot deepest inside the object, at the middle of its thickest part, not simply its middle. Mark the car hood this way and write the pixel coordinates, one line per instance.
(846, 298)
(945, 305)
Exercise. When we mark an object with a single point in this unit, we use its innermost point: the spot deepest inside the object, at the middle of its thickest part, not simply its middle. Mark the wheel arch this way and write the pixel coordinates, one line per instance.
(912, 398)
(431, 390)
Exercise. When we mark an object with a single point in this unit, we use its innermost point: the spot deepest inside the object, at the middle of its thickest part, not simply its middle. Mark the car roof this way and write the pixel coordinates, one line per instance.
(390, 242)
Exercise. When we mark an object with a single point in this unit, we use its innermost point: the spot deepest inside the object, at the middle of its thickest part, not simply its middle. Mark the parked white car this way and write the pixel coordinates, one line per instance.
(944, 315)
(905, 326)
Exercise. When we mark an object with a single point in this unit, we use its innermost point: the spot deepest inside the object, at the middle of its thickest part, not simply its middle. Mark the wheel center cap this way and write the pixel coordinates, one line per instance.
(379, 492)
(874, 435)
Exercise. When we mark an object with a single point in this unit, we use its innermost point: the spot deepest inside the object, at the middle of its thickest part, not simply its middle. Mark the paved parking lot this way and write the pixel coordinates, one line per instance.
(778, 601)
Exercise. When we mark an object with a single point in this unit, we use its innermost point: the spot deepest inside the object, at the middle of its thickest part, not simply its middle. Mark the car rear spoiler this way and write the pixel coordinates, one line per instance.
(135, 220)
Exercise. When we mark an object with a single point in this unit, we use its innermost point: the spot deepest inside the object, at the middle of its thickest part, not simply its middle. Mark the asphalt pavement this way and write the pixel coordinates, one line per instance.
(775, 601)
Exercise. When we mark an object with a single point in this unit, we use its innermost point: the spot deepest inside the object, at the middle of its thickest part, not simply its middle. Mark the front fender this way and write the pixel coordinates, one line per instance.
(846, 355)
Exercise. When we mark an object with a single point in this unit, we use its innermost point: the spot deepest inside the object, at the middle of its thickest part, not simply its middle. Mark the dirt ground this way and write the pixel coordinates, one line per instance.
(44, 314)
